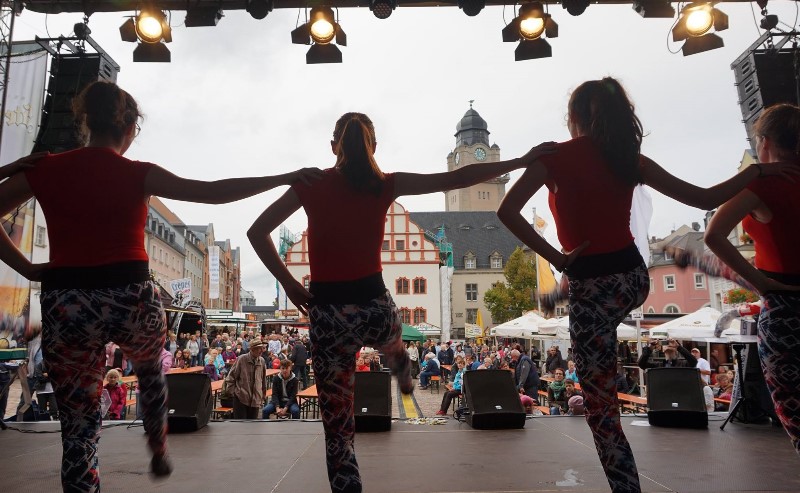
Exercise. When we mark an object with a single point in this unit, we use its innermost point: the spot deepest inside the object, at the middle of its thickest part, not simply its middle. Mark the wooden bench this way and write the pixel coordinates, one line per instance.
(435, 379)
(543, 409)
(128, 404)
(222, 412)
(542, 397)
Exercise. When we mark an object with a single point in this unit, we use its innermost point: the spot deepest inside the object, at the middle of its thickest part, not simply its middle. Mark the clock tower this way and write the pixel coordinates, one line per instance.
(473, 149)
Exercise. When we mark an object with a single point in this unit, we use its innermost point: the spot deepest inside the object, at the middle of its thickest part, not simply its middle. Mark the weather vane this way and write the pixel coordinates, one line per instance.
(470, 103)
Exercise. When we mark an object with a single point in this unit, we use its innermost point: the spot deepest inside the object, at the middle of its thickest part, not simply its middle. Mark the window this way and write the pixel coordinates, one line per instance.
(385, 245)
(472, 292)
(405, 315)
(400, 245)
(669, 283)
(561, 311)
(420, 316)
(672, 309)
(699, 281)
(472, 315)
(306, 281)
(651, 310)
(497, 262)
(469, 262)
(667, 255)
(41, 235)
(652, 286)
(401, 285)
(420, 285)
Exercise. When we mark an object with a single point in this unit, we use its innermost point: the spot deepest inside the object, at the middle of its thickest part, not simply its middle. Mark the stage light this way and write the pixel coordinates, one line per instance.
(575, 7)
(152, 52)
(152, 27)
(82, 31)
(695, 25)
(650, 9)
(320, 31)
(203, 17)
(382, 8)
(258, 9)
(528, 27)
(471, 7)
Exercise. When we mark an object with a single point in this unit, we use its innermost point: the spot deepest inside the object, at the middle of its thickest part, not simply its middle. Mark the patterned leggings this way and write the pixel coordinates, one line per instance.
(779, 351)
(77, 324)
(337, 333)
(596, 307)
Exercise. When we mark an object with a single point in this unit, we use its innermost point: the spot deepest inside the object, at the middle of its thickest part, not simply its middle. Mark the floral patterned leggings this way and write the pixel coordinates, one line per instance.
(779, 351)
(338, 332)
(77, 324)
(596, 307)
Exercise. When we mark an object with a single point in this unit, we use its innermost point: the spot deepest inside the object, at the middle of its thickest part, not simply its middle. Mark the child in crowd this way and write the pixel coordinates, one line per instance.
(361, 365)
(118, 392)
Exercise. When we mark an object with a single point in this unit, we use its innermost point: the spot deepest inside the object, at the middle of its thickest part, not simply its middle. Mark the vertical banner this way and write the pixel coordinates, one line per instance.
(213, 272)
(24, 94)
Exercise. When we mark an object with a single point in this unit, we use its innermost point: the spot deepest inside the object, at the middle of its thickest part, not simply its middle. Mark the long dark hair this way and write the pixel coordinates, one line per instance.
(602, 110)
(102, 108)
(781, 123)
(354, 143)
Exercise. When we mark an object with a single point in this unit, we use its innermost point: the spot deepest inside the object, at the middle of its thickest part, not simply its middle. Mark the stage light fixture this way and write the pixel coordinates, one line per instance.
(320, 32)
(82, 31)
(530, 27)
(258, 9)
(471, 7)
(575, 7)
(382, 8)
(654, 9)
(152, 52)
(152, 27)
(203, 17)
(695, 26)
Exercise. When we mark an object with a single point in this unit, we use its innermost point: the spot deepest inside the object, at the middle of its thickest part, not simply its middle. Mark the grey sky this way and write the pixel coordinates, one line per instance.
(239, 100)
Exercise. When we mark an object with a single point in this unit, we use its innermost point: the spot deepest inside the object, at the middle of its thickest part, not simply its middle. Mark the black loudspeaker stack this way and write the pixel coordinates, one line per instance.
(189, 402)
(675, 398)
(763, 78)
(492, 400)
(373, 401)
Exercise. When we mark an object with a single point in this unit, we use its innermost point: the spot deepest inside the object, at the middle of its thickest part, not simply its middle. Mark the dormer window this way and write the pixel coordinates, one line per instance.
(470, 262)
(496, 261)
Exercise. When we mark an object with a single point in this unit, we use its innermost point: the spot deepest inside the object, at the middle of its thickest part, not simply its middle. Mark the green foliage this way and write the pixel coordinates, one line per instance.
(511, 299)
(736, 296)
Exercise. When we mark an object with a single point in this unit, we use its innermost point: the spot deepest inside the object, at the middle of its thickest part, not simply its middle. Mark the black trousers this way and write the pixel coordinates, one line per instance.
(241, 411)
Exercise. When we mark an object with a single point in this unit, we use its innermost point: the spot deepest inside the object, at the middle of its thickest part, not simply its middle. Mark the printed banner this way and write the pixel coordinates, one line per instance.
(213, 272)
(181, 289)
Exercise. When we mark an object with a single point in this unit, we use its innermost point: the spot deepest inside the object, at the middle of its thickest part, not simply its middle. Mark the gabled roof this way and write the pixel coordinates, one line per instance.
(165, 212)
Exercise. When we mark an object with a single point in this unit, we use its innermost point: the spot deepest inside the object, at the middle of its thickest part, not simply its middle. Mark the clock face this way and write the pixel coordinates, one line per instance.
(457, 158)
(480, 154)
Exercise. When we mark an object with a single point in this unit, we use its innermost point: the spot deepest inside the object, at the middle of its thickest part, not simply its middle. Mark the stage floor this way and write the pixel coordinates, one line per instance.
(549, 454)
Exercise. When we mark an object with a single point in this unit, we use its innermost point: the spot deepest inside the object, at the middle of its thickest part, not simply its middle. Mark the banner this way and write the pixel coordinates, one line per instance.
(181, 289)
(213, 272)
(20, 122)
(472, 331)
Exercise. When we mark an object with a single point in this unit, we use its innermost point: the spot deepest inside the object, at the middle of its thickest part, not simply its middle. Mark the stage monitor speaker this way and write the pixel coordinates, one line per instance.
(763, 78)
(758, 405)
(492, 400)
(189, 401)
(373, 401)
(675, 398)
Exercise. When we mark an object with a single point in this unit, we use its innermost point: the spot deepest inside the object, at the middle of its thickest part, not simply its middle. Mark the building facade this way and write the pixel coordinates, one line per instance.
(164, 244)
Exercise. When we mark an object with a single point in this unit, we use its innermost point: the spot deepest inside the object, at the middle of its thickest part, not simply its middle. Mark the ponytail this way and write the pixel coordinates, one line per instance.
(601, 110)
(354, 138)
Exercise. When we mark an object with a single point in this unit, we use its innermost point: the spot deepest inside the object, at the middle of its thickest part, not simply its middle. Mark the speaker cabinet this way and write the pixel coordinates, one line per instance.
(492, 400)
(373, 401)
(189, 402)
(675, 398)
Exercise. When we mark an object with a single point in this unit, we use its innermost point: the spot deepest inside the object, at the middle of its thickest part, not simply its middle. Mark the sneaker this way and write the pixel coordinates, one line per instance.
(441, 413)
(160, 466)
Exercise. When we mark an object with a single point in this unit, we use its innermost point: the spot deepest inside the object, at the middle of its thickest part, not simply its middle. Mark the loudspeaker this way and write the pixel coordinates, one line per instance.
(759, 404)
(189, 401)
(492, 400)
(763, 78)
(69, 75)
(675, 398)
(373, 401)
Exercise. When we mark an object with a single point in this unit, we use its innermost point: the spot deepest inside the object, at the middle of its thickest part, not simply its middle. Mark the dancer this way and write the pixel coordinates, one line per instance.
(769, 210)
(348, 304)
(599, 168)
(91, 296)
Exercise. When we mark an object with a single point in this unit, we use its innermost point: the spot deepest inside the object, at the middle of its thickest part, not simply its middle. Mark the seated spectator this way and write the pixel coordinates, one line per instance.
(488, 364)
(470, 363)
(283, 402)
(431, 369)
(527, 403)
(576, 407)
(118, 392)
(671, 353)
(211, 370)
(374, 361)
(621, 380)
(215, 358)
(571, 372)
(361, 365)
(708, 394)
(723, 390)
(228, 357)
(178, 361)
(457, 382)
(166, 361)
(556, 395)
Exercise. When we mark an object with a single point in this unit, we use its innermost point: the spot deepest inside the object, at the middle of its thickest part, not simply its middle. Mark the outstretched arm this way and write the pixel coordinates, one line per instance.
(162, 183)
(709, 198)
(20, 164)
(418, 184)
(259, 237)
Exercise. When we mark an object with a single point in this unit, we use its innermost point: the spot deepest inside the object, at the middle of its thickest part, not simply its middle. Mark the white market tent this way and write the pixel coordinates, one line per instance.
(697, 326)
(524, 327)
(558, 328)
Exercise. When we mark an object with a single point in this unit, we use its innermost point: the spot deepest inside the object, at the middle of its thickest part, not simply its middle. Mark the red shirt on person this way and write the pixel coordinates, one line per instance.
(345, 229)
(95, 191)
(587, 200)
(776, 241)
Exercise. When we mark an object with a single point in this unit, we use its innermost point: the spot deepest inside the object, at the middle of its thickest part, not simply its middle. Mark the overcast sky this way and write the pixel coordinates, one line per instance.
(239, 100)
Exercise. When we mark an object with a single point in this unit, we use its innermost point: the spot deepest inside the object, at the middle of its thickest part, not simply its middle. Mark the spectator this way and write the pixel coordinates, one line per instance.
(457, 383)
(470, 363)
(556, 395)
(525, 375)
(723, 390)
(202, 344)
(194, 350)
(703, 365)
(118, 392)
(621, 380)
(374, 361)
(228, 357)
(554, 360)
(413, 355)
(361, 365)
(114, 357)
(274, 345)
(431, 369)
(488, 364)
(299, 359)
(178, 360)
(671, 359)
(166, 361)
(284, 394)
(571, 372)
(44, 391)
(248, 383)
(172, 343)
(576, 407)
(708, 395)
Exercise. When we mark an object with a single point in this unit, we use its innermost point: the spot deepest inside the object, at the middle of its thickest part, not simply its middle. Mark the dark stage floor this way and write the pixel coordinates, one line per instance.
(549, 454)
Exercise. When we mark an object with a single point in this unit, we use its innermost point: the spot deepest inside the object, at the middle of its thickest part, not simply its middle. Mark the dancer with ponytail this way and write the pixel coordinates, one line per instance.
(769, 210)
(347, 302)
(91, 296)
(598, 170)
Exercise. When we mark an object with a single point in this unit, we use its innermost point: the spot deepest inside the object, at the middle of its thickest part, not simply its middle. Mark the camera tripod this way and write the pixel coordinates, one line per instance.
(742, 399)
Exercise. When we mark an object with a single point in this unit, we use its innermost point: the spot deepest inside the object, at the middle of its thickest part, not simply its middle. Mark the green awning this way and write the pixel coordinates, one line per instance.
(412, 334)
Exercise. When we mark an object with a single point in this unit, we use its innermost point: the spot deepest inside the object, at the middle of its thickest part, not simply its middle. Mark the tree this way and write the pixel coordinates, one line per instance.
(736, 296)
(511, 299)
